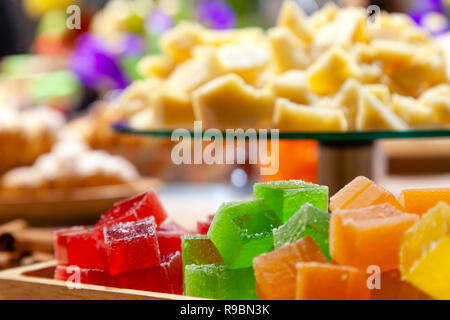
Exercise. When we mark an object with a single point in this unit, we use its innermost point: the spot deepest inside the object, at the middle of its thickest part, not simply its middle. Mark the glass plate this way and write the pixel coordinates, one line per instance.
(122, 127)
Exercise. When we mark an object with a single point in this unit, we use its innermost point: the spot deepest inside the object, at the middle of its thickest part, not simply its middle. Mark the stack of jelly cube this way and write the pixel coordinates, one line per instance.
(372, 233)
(129, 247)
(283, 244)
(371, 246)
(221, 264)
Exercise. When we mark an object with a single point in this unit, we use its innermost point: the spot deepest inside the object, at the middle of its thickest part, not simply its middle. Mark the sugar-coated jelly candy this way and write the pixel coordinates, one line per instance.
(419, 201)
(169, 238)
(85, 251)
(424, 253)
(308, 221)
(392, 287)
(369, 236)
(276, 271)
(286, 197)
(138, 207)
(324, 281)
(76, 274)
(203, 226)
(165, 277)
(362, 192)
(216, 281)
(174, 265)
(199, 249)
(60, 242)
(132, 245)
(243, 230)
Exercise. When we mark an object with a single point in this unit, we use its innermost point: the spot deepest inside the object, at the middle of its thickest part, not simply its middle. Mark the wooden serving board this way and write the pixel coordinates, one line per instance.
(77, 206)
(36, 282)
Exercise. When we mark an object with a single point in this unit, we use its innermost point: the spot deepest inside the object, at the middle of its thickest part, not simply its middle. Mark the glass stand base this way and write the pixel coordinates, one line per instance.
(341, 162)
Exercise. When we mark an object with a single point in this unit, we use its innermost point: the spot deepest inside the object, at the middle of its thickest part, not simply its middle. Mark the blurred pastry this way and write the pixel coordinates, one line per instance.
(25, 135)
(70, 164)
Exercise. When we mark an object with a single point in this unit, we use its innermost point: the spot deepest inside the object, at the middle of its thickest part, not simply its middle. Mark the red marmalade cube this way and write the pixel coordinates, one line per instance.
(166, 277)
(144, 205)
(172, 226)
(174, 266)
(132, 245)
(169, 237)
(76, 274)
(203, 226)
(60, 242)
(85, 251)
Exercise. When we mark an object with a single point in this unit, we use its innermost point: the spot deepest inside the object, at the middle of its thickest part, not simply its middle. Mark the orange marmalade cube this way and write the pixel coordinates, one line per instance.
(276, 271)
(360, 193)
(392, 287)
(369, 236)
(325, 281)
(419, 201)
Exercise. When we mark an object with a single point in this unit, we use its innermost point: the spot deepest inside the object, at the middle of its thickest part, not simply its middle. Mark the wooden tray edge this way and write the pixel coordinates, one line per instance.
(77, 194)
(14, 285)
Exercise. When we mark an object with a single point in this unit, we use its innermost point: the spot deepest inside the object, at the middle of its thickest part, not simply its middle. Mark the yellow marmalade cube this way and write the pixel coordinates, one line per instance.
(323, 16)
(288, 51)
(396, 26)
(373, 115)
(330, 71)
(172, 109)
(381, 91)
(138, 95)
(424, 254)
(412, 111)
(348, 27)
(156, 66)
(289, 116)
(292, 85)
(292, 16)
(196, 71)
(248, 60)
(369, 73)
(438, 100)
(178, 42)
(347, 99)
(441, 108)
(221, 37)
(392, 51)
(442, 90)
(228, 102)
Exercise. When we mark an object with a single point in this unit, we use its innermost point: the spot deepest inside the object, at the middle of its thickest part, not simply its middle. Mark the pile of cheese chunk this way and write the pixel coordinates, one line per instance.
(334, 71)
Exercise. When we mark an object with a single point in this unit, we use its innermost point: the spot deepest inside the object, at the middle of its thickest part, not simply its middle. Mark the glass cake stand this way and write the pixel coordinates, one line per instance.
(343, 155)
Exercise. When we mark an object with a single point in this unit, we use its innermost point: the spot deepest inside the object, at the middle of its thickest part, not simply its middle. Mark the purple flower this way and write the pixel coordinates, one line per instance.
(96, 67)
(132, 45)
(431, 15)
(215, 14)
(157, 22)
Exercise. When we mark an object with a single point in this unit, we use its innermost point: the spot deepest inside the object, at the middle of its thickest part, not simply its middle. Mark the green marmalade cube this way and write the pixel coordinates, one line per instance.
(242, 231)
(286, 197)
(198, 249)
(308, 221)
(216, 281)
